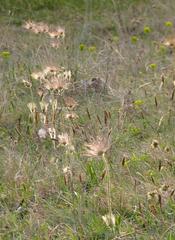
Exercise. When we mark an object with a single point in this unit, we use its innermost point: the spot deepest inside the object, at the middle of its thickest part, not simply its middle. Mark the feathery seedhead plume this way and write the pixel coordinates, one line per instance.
(164, 187)
(58, 33)
(55, 44)
(167, 149)
(71, 116)
(50, 70)
(98, 146)
(57, 83)
(70, 102)
(152, 196)
(42, 27)
(65, 140)
(29, 25)
(36, 27)
(67, 171)
(27, 83)
(154, 144)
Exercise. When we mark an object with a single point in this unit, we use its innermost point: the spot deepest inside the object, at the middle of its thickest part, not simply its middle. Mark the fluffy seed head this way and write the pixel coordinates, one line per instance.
(97, 147)
(70, 102)
(154, 144)
(42, 133)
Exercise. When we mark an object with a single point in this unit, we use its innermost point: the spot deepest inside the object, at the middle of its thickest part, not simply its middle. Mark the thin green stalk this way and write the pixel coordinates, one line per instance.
(109, 199)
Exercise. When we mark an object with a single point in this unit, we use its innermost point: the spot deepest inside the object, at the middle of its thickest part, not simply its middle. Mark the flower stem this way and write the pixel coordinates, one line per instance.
(108, 184)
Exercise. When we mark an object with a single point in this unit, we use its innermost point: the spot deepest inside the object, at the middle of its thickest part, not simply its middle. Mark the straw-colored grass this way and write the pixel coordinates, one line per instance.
(87, 120)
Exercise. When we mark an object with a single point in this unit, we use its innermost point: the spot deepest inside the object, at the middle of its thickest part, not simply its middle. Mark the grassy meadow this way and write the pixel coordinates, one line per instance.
(87, 120)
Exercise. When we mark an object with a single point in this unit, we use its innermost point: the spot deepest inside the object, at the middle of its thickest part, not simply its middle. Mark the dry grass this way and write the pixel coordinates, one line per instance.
(86, 128)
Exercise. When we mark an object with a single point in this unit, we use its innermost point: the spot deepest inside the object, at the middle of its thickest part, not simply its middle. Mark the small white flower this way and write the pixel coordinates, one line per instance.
(42, 133)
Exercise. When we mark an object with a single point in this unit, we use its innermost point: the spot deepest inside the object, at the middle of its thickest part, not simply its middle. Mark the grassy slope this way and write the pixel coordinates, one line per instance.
(35, 202)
